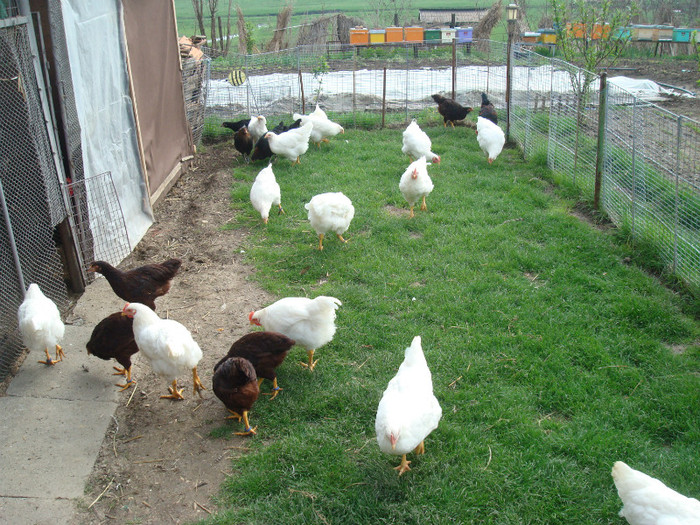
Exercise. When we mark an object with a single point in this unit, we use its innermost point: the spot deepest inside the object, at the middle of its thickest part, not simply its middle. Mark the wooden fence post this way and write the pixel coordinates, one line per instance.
(454, 67)
(600, 153)
(303, 102)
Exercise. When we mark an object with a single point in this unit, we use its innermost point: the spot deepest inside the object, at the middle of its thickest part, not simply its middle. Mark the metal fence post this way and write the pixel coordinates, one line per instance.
(634, 162)
(11, 241)
(679, 133)
(384, 97)
(600, 150)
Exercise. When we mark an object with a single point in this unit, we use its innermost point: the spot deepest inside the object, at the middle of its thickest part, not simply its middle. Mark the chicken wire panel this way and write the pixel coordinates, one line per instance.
(19, 66)
(573, 125)
(66, 101)
(99, 220)
(650, 184)
(195, 85)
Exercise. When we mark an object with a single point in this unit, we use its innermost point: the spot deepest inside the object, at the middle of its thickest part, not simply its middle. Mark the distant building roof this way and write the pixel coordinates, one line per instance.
(444, 16)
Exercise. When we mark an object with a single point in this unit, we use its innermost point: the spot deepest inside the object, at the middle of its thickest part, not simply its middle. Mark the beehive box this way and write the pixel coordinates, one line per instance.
(531, 37)
(448, 34)
(394, 34)
(577, 30)
(547, 36)
(464, 34)
(622, 33)
(663, 33)
(432, 35)
(600, 31)
(681, 34)
(359, 36)
(377, 36)
(643, 33)
(413, 34)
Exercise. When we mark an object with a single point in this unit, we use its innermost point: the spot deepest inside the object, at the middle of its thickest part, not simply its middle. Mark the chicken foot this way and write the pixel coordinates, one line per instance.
(341, 238)
(197, 383)
(59, 356)
(320, 241)
(420, 449)
(411, 214)
(423, 206)
(248, 430)
(311, 364)
(123, 372)
(174, 392)
(404, 466)
(275, 389)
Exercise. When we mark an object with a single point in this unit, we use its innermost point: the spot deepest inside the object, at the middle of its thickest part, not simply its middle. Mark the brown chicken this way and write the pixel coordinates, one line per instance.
(488, 111)
(236, 385)
(450, 110)
(265, 351)
(142, 284)
(113, 338)
(243, 142)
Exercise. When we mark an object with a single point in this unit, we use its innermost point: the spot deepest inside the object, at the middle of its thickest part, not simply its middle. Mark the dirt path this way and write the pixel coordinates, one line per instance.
(158, 458)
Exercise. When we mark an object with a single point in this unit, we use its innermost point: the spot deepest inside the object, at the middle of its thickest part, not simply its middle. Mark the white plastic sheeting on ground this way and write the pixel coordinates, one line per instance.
(644, 88)
(402, 84)
(101, 86)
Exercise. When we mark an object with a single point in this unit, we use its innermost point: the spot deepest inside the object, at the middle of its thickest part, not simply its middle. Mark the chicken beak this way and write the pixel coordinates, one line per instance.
(253, 321)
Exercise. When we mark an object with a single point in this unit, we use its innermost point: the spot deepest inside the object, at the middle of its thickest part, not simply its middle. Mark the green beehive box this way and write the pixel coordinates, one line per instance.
(682, 34)
(434, 35)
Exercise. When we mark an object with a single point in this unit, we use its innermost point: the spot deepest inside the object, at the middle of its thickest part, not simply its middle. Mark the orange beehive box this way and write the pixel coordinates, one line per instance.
(413, 34)
(394, 34)
(578, 30)
(600, 31)
(359, 36)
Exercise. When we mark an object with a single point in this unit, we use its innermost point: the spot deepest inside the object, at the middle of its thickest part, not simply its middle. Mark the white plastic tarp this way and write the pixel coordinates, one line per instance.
(643, 88)
(108, 132)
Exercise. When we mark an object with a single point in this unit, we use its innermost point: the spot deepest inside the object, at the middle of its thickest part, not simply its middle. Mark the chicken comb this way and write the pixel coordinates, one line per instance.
(250, 316)
(125, 307)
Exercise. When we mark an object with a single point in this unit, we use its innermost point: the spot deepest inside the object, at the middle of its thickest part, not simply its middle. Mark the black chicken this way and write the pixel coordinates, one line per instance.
(262, 149)
(487, 110)
(450, 110)
(243, 142)
(142, 284)
(235, 126)
(281, 127)
(236, 385)
(266, 351)
(113, 338)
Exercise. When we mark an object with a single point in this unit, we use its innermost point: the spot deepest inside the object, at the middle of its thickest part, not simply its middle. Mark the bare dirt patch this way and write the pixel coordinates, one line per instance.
(158, 459)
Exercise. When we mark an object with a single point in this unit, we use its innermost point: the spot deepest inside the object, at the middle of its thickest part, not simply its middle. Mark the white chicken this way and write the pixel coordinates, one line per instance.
(647, 501)
(416, 143)
(310, 322)
(330, 212)
(291, 144)
(257, 127)
(415, 183)
(167, 345)
(408, 411)
(490, 138)
(323, 127)
(265, 192)
(40, 324)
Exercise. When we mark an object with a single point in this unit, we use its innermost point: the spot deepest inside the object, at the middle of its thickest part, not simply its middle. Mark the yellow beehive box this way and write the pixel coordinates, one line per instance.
(377, 36)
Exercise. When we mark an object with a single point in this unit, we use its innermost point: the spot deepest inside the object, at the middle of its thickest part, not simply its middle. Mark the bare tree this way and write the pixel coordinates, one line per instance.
(212, 13)
(242, 32)
(283, 18)
(198, 6)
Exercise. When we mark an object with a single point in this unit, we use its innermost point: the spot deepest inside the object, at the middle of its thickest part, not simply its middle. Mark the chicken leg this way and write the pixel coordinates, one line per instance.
(420, 449)
(423, 206)
(237, 416)
(411, 214)
(123, 372)
(174, 392)
(275, 389)
(198, 386)
(341, 238)
(281, 210)
(404, 466)
(311, 364)
(59, 356)
(320, 241)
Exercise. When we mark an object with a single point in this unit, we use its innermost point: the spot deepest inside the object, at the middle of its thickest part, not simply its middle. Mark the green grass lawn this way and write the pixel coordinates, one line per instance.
(551, 357)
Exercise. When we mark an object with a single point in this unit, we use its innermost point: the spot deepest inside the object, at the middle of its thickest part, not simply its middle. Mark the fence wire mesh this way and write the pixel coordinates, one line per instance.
(195, 85)
(650, 178)
(32, 199)
(96, 197)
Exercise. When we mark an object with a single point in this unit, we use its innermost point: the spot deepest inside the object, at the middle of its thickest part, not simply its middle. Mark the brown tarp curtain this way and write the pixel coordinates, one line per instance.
(154, 66)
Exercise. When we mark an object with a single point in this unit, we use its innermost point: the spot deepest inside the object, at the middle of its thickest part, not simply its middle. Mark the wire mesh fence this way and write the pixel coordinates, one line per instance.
(195, 85)
(650, 170)
(30, 196)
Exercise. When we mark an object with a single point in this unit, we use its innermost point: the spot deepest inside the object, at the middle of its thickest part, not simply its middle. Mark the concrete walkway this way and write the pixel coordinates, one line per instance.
(54, 419)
